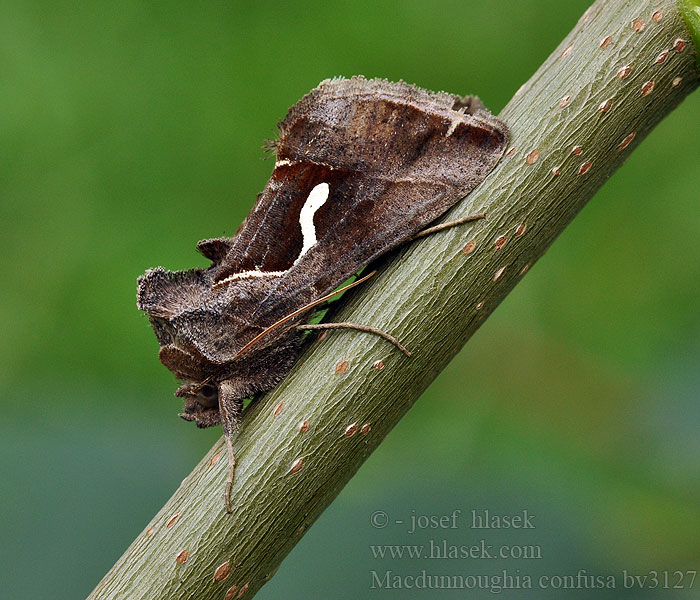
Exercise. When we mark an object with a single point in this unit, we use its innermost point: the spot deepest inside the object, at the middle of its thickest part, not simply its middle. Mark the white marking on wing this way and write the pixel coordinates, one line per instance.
(246, 275)
(285, 162)
(317, 198)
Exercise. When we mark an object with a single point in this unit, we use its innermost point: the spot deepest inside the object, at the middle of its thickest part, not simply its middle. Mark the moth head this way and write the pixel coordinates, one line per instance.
(201, 403)
(206, 396)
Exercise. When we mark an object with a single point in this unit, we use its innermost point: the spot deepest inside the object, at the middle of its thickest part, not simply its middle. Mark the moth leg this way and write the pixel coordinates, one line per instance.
(441, 226)
(365, 328)
(230, 408)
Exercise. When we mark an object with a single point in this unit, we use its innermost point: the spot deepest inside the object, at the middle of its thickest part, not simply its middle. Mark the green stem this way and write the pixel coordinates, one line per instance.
(690, 9)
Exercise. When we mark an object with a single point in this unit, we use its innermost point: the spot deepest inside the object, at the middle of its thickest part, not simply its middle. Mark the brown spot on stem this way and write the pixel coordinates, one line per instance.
(231, 592)
(556, 171)
(624, 72)
(656, 16)
(662, 57)
(679, 45)
(499, 274)
(500, 242)
(350, 430)
(365, 429)
(565, 101)
(605, 42)
(676, 82)
(278, 409)
(576, 150)
(469, 247)
(479, 305)
(172, 520)
(296, 465)
(638, 25)
(605, 106)
(222, 571)
(510, 151)
(521, 229)
(304, 426)
(567, 51)
(647, 88)
(342, 367)
(244, 589)
(585, 167)
(214, 459)
(150, 531)
(182, 557)
(379, 365)
(532, 157)
(626, 142)
(525, 269)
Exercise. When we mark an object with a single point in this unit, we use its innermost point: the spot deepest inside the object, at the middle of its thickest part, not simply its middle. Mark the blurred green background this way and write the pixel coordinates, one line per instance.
(131, 130)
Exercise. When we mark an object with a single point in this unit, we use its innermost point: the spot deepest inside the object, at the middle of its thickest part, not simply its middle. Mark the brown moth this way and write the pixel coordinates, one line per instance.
(362, 167)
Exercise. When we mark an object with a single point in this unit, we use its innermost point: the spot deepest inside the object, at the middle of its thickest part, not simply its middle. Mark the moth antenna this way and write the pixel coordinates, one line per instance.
(365, 328)
(441, 226)
(297, 312)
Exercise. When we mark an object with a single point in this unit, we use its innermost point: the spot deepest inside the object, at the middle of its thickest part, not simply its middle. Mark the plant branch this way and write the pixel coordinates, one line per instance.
(625, 65)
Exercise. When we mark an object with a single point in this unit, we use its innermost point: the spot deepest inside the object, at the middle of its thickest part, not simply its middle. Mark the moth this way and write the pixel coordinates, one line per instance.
(362, 166)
